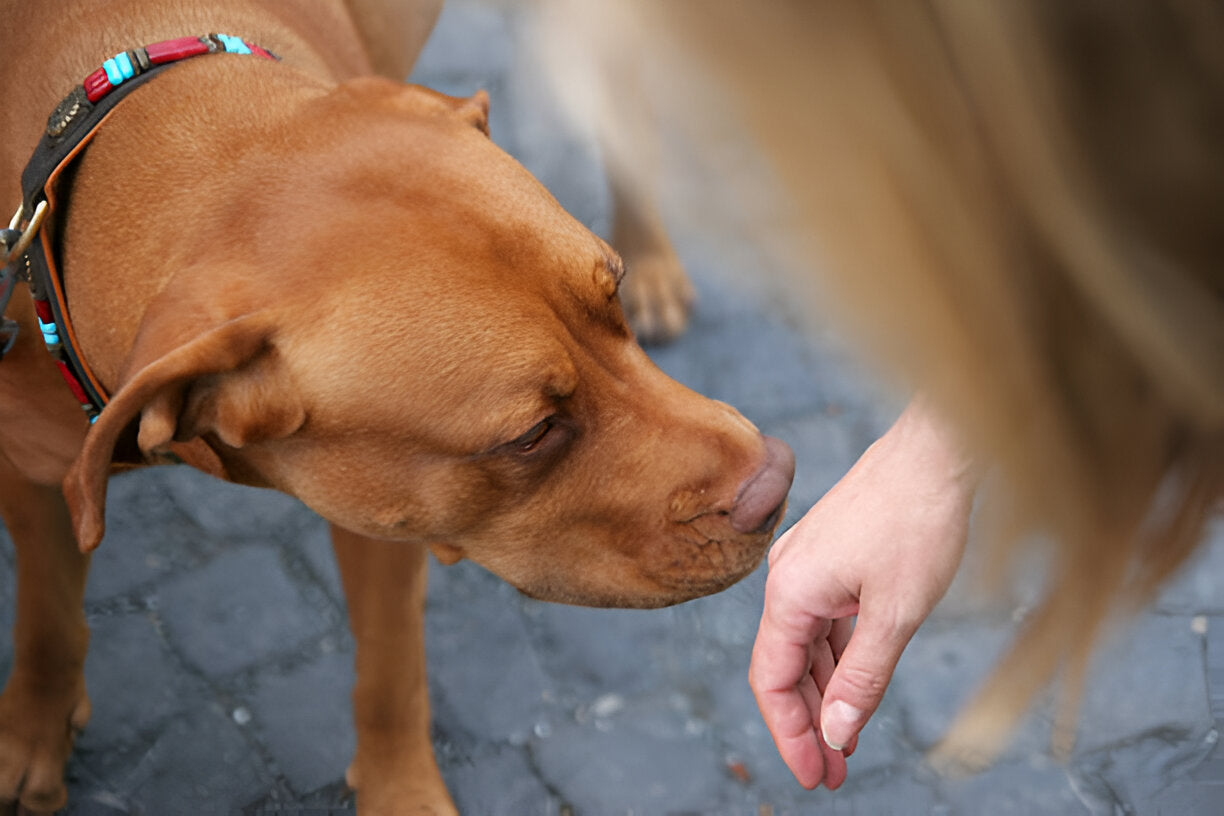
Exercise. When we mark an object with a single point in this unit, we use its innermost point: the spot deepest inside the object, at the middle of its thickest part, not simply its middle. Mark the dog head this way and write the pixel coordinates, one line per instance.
(421, 345)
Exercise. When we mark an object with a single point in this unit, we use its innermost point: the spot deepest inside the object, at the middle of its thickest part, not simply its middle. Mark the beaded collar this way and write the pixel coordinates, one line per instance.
(29, 247)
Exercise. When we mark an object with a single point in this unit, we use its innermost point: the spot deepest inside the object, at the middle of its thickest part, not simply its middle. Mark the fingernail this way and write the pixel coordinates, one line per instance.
(839, 723)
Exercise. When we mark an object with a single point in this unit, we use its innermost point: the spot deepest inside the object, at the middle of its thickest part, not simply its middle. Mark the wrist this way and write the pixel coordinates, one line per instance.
(933, 447)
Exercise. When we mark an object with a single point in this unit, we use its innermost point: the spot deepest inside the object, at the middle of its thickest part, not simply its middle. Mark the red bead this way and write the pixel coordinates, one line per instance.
(43, 309)
(75, 386)
(172, 50)
(97, 85)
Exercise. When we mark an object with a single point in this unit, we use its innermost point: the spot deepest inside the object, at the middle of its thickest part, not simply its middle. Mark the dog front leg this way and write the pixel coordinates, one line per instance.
(656, 293)
(44, 701)
(394, 771)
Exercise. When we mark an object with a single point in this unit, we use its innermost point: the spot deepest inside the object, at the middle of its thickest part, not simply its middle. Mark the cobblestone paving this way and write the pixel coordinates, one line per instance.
(221, 664)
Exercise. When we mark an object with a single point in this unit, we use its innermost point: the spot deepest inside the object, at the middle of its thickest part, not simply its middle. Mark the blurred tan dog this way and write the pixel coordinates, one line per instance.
(1019, 204)
(294, 274)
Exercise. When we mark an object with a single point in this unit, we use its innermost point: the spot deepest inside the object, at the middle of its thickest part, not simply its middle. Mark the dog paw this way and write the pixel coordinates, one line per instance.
(657, 296)
(37, 727)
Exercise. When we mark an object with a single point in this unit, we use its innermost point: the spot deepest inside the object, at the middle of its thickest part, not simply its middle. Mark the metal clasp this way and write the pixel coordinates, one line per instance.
(15, 241)
(25, 236)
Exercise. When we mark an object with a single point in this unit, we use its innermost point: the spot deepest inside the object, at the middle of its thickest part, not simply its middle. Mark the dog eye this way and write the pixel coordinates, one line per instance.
(531, 440)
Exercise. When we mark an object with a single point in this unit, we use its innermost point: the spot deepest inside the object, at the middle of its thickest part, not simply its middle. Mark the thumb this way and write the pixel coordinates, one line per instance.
(860, 679)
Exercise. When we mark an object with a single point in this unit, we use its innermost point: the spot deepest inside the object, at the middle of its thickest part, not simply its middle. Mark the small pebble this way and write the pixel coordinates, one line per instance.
(739, 770)
(607, 705)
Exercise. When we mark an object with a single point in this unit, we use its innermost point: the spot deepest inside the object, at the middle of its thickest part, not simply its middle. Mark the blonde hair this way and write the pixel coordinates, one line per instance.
(1023, 202)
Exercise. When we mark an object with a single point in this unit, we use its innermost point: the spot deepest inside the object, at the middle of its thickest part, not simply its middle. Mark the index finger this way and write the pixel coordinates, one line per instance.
(786, 693)
(788, 714)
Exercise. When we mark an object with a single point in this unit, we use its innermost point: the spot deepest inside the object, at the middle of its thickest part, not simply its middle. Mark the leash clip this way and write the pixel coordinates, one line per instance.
(18, 239)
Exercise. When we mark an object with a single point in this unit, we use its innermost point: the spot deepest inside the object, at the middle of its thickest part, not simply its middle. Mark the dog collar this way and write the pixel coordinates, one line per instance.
(29, 243)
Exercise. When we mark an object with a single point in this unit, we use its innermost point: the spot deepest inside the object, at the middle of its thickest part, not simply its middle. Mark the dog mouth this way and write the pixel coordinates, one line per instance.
(655, 593)
(690, 566)
(687, 588)
(703, 563)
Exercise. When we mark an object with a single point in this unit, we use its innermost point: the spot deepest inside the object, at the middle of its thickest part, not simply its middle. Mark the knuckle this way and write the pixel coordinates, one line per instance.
(896, 625)
(862, 683)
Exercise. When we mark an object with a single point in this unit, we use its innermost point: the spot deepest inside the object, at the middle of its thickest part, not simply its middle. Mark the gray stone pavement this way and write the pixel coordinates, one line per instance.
(221, 663)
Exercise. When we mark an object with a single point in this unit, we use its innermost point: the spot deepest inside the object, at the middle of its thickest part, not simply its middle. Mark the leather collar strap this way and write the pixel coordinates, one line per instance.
(69, 130)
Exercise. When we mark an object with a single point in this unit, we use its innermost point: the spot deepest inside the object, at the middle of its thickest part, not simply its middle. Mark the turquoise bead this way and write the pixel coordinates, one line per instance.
(112, 72)
(233, 45)
(125, 65)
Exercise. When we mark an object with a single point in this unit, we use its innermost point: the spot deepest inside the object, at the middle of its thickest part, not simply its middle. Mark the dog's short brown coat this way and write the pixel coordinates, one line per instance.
(304, 276)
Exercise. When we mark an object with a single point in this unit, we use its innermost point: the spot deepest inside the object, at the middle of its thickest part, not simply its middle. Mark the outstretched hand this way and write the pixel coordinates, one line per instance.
(883, 544)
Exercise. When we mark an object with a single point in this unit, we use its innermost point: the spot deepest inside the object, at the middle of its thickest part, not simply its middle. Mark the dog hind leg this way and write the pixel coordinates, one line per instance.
(394, 770)
(44, 701)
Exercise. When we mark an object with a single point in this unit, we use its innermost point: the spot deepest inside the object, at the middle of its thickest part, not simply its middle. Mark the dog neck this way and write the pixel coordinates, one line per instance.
(69, 130)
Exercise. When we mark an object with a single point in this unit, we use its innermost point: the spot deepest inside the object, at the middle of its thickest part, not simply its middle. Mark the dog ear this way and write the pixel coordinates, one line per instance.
(475, 109)
(251, 403)
(209, 381)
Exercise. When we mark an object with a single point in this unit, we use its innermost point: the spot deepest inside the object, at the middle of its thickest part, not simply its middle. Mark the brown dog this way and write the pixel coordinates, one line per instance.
(293, 274)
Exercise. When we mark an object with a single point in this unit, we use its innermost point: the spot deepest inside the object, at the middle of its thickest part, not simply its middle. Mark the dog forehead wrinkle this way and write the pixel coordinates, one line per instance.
(473, 392)
(418, 166)
(409, 192)
(450, 160)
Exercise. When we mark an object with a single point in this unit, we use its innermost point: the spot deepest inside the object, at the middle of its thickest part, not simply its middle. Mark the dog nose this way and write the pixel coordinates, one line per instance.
(758, 508)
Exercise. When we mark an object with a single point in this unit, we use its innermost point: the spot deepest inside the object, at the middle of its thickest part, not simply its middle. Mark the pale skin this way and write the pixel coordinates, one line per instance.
(883, 545)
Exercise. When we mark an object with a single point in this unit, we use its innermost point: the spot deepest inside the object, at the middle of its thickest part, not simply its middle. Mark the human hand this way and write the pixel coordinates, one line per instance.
(883, 544)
